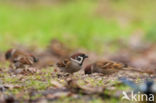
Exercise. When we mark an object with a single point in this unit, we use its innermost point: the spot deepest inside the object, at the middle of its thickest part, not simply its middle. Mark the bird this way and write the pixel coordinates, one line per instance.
(58, 49)
(72, 64)
(20, 58)
(103, 66)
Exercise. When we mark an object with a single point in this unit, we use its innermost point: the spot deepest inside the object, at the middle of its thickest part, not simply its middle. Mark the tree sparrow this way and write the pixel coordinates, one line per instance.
(20, 58)
(105, 67)
(72, 64)
(57, 48)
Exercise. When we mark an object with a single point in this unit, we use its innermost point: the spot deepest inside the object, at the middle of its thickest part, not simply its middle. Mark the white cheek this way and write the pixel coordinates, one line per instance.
(79, 62)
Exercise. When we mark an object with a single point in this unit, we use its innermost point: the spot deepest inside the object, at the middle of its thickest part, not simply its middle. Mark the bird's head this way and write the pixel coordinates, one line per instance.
(79, 58)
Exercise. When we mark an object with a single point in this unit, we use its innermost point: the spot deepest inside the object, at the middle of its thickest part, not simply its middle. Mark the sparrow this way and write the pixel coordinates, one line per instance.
(57, 48)
(20, 58)
(103, 66)
(72, 64)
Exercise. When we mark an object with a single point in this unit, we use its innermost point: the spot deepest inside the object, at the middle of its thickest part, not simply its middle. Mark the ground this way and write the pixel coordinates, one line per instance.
(44, 83)
(122, 31)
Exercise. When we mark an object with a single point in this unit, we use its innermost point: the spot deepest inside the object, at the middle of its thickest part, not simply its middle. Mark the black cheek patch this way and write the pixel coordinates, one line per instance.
(78, 59)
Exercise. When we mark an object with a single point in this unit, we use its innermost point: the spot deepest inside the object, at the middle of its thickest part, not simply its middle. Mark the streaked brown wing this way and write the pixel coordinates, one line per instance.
(67, 63)
(63, 63)
(60, 64)
(104, 64)
(108, 65)
(27, 60)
